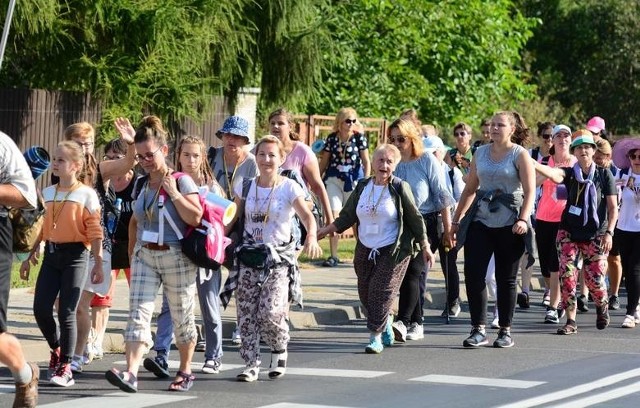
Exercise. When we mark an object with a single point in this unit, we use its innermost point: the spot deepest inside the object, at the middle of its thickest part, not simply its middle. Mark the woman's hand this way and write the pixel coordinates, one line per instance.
(127, 132)
(170, 186)
(520, 227)
(606, 242)
(24, 270)
(97, 276)
(311, 247)
(451, 238)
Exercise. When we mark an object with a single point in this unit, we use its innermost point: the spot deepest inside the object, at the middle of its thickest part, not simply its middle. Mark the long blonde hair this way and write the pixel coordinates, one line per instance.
(342, 115)
(408, 129)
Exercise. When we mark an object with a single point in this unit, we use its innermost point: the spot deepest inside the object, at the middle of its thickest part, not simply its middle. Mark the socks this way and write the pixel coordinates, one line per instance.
(24, 375)
(376, 337)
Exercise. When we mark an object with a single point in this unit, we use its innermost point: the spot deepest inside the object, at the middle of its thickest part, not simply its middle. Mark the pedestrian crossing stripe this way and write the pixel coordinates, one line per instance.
(122, 400)
(294, 405)
(487, 382)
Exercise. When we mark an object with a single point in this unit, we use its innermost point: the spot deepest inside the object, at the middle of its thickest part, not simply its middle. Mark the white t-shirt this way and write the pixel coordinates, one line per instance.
(14, 170)
(268, 213)
(378, 217)
(629, 215)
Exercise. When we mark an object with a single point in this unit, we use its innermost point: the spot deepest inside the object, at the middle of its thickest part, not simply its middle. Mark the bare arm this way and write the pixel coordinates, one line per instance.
(612, 217)
(527, 174)
(133, 230)
(311, 247)
(552, 173)
(366, 163)
(10, 196)
(188, 206)
(120, 167)
(311, 172)
(324, 162)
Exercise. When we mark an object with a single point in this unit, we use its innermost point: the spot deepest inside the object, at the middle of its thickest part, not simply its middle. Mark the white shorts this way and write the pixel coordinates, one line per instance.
(336, 193)
(101, 289)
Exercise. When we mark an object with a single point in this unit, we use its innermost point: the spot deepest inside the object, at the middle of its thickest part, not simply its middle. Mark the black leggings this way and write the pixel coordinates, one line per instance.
(546, 233)
(409, 305)
(451, 258)
(629, 244)
(481, 243)
(63, 271)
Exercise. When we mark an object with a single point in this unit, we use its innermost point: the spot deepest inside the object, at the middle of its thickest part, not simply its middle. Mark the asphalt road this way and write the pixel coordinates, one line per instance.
(328, 368)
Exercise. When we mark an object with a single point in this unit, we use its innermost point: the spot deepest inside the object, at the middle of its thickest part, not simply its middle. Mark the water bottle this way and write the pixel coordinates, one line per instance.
(112, 217)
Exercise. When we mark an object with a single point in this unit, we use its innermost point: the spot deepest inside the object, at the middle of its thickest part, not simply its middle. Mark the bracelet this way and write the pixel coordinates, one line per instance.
(455, 222)
(609, 232)
(522, 219)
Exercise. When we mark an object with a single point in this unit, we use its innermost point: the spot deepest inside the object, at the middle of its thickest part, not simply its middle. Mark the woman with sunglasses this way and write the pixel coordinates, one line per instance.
(461, 155)
(157, 258)
(626, 156)
(586, 227)
(496, 203)
(421, 171)
(344, 161)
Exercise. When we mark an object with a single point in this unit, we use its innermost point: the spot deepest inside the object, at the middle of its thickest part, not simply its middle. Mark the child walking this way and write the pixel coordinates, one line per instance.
(71, 227)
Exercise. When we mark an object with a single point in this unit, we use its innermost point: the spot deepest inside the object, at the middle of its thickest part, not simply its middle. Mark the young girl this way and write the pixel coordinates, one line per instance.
(262, 292)
(72, 225)
(191, 153)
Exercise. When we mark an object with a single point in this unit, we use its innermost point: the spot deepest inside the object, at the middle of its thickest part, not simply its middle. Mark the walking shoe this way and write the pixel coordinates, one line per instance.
(235, 336)
(546, 298)
(582, 303)
(27, 394)
(54, 361)
(523, 300)
(388, 337)
(614, 302)
(561, 313)
(99, 353)
(211, 367)
(331, 262)
(453, 310)
(477, 338)
(158, 366)
(495, 323)
(374, 347)
(629, 322)
(415, 331)
(278, 365)
(602, 319)
(504, 339)
(551, 317)
(200, 343)
(76, 364)
(63, 376)
(399, 331)
(200, 346)
(636, 315)
(250, 374)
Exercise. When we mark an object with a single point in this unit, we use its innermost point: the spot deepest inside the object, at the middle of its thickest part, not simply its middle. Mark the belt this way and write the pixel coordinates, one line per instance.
(156, 247)
(54, 247)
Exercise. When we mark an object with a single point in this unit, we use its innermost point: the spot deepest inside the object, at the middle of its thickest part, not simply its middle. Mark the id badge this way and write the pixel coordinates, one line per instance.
(343, 168)
(372, 229)
(150, 236)
(575, 210)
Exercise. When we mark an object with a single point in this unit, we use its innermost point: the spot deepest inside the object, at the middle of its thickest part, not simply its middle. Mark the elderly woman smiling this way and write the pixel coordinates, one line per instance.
(389, 228)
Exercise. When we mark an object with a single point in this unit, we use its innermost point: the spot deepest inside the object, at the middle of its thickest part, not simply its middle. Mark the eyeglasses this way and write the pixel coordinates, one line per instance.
(113, 157)
(634, 157)
(399, 139)
(85, 145)
(459, 134)
(350, 121)
(546, 136)
(148, 156)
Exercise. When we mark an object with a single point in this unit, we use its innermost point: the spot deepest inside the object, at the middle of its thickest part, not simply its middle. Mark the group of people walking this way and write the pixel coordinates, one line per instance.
(412, 198)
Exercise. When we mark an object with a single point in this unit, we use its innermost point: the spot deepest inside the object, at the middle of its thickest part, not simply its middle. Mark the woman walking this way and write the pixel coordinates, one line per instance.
(496, 202)
(389, 229)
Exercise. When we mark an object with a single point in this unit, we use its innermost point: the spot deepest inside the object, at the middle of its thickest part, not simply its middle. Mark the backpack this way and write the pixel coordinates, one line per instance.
(27, 225)
(204, 244)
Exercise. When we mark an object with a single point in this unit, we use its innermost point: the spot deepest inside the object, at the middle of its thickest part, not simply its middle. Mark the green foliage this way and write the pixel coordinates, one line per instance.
(451, 60)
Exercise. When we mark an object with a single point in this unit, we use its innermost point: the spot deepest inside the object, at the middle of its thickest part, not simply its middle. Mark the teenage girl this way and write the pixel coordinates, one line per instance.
(71, 227)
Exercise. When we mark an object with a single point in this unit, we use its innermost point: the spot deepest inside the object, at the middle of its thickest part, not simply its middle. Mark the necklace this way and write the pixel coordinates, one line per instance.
(233, 175)
(56, 213)
(269, 198)
(148, 209)
(374, 207)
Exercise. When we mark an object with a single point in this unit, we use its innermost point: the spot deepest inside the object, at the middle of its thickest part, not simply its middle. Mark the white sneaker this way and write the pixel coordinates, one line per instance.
(495, 323)
(99, 353)
(415, 332)
(629, 322)
(399, 331)
(211, 367)
(235, 337)
(636, 315)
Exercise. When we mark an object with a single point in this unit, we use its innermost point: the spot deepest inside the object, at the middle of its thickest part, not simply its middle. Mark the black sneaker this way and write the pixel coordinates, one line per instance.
(453, 310)
(582, 303)
(158, 366)
(523, 300)
(504, 339)
(614, 302)
(602, 321)
(477, 338)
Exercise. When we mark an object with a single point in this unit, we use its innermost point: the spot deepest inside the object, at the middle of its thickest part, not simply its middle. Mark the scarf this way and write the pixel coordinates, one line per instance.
(590, 193)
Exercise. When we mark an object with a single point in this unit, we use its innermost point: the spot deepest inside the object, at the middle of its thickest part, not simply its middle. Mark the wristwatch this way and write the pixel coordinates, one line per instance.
(609, 232)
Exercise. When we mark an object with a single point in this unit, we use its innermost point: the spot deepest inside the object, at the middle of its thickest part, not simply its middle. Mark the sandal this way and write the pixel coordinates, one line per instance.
(248, 375)
(278, 365)
(117, 378)
(567, 329)
(330, 262)
(185, 384)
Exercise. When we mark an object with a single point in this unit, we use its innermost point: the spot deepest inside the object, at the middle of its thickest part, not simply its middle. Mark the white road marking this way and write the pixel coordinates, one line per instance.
(601, 397)
(294, 405)
(121, 400)
(195, 366)
(7, 389)
(487, 382)
(570, 392)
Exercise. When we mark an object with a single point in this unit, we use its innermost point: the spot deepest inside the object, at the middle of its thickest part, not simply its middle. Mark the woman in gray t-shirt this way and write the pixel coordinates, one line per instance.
(497, 200)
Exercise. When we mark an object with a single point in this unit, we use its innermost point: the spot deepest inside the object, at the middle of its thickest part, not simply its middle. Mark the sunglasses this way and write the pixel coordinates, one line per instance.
(634, 157)
(546, 136)
(399, 139)
(148, 156)
(350, 121)
(459, 134)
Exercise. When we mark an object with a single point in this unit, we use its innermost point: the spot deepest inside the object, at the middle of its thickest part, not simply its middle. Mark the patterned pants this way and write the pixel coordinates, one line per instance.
(379, 280)
(262, 312)
(594, 264)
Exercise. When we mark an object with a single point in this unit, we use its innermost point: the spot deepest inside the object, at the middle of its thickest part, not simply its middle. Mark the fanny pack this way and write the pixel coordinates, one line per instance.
(255, 257)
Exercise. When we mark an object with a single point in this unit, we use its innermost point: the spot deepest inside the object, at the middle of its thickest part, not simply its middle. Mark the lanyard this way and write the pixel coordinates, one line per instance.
(148, 210)
(233, 175)
(580, 190)
(374, 208)
(56, 214)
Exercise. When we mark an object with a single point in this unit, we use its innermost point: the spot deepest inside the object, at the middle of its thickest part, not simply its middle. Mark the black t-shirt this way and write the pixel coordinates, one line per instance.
(573, 223)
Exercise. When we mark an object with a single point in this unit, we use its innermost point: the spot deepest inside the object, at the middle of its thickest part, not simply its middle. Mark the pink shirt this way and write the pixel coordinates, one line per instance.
(549, 207)
(300, 155)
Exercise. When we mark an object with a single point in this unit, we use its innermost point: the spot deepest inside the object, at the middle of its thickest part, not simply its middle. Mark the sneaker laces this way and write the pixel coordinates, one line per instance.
(63, 368)
(54, 360)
